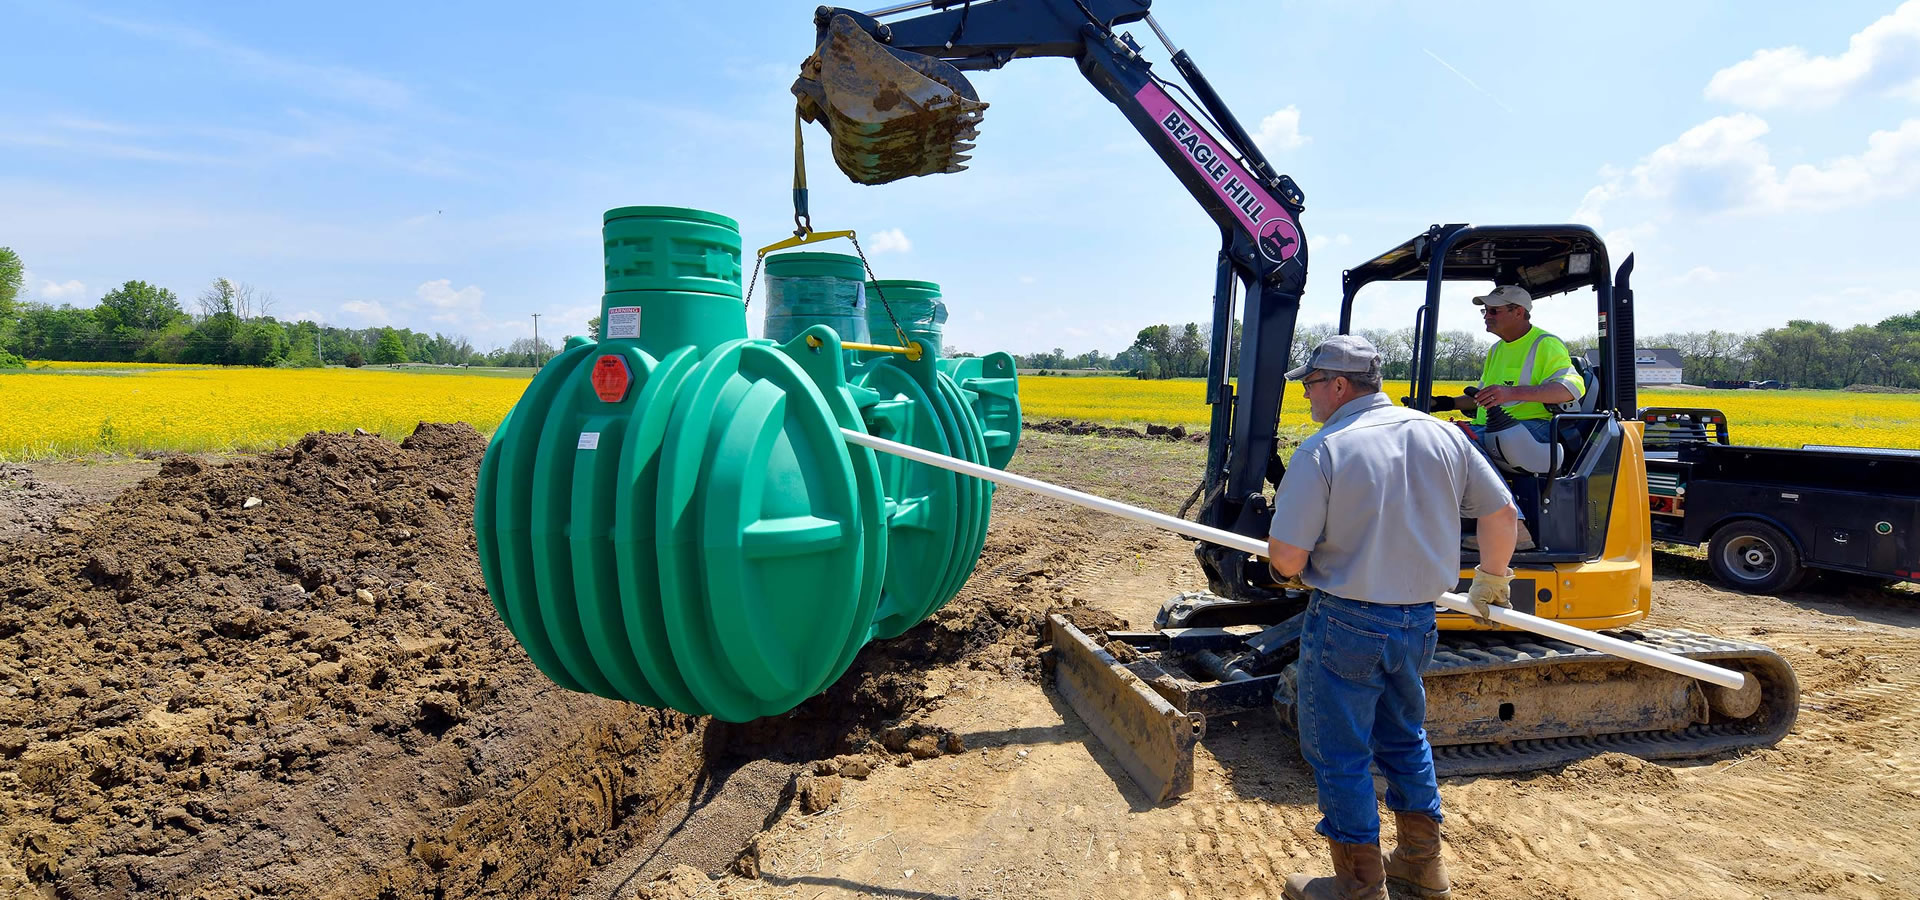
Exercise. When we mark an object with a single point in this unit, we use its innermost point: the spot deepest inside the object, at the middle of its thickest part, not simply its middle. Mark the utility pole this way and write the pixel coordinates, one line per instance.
(536, 340)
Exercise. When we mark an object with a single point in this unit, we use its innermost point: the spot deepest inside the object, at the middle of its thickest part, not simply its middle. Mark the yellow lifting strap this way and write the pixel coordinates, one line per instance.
(804, 234)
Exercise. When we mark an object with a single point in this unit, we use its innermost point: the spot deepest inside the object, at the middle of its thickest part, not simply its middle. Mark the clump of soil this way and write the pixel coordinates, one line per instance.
(30, 506)
(1616, 769)
(282, 676)
(1173, 433)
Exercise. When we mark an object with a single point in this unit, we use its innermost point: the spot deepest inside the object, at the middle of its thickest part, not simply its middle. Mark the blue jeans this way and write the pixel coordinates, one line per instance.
(1362, 704)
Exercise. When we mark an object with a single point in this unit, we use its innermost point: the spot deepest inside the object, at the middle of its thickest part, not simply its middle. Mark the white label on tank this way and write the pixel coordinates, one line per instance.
(589, 440)
(622, 322)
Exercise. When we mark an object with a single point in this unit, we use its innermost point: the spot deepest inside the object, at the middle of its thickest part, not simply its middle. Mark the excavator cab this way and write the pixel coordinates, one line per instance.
(1565, 483)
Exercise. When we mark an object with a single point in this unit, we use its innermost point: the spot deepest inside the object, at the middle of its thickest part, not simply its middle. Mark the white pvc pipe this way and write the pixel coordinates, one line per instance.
(1591, 640)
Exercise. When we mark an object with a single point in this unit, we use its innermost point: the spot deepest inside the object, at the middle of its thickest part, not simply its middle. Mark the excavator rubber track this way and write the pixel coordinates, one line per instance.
(1496, 701)
(1584, 702)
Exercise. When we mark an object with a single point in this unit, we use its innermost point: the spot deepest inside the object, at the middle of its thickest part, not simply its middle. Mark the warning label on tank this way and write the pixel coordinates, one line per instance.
(622, 322)
(589, 440)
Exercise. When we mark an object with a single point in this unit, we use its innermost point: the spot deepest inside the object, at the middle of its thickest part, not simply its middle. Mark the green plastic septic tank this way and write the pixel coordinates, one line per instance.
(808, 289)
(670, 516)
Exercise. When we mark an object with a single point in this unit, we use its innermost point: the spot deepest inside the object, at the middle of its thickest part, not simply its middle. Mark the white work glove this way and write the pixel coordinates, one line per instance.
(1490, 590)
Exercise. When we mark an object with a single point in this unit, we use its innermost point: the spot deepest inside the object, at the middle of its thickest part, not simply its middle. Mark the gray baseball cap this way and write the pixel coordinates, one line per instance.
(1340, 353)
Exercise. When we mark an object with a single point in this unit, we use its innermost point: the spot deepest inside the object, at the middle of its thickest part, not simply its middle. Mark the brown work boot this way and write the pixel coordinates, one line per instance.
(1415, 862)
(1357, 875)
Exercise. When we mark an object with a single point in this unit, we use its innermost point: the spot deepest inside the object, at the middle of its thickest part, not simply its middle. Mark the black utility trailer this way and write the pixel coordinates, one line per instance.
(1771, 515)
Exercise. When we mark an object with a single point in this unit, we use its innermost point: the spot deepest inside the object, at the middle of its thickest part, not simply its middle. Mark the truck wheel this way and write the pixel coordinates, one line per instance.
(1756, 558)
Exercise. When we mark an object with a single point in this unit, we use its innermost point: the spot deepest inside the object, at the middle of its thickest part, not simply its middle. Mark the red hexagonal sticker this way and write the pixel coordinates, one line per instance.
(611, 378)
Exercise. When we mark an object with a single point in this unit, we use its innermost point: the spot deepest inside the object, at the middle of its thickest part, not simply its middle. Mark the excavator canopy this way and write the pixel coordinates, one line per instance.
(891, 113)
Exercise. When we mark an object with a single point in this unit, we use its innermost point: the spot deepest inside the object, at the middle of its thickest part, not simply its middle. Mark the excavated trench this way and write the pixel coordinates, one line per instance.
(281, 676)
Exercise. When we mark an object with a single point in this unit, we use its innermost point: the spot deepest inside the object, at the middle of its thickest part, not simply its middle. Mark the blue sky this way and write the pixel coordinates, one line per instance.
(444, 166)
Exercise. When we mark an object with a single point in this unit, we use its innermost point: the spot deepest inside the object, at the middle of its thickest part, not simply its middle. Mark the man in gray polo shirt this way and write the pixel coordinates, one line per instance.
(1368, 516)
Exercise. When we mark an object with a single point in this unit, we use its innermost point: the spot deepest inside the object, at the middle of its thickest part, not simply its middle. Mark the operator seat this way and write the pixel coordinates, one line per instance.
(1590, 376)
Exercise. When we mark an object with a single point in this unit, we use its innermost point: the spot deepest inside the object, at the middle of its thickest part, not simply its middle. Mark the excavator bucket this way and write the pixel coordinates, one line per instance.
(891, 113)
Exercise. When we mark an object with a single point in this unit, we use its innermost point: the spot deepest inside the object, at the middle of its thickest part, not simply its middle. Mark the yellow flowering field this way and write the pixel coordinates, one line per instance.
(70, 409)
(1764, 418)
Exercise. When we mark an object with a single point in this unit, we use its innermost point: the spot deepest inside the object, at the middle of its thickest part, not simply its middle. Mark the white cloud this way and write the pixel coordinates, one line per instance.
(892, 240)
(1280, 130)
(307, 315)
(1717, 165)
(1883, 57)
(1593, 204)
(65, 290)
(1723, 166)
(367, 310)
(454, 306)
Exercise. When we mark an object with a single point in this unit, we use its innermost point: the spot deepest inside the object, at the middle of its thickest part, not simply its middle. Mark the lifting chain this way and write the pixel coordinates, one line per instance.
(803, 230)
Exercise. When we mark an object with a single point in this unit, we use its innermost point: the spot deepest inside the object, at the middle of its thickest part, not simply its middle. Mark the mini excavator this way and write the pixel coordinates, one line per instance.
(891, 91)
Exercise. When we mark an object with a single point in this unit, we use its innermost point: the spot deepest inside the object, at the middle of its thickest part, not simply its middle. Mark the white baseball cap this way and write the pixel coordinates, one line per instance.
(1506, 295)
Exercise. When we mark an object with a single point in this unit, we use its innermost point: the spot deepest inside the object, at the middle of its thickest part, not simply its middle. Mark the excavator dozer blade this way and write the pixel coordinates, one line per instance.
(890, 113)
(1152, 741)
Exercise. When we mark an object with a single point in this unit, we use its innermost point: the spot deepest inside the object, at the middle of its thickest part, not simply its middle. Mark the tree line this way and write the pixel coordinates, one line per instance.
(231, 323)
(1803, 353)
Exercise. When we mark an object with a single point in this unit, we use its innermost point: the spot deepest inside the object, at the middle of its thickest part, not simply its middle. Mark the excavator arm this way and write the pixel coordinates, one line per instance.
(894, 98)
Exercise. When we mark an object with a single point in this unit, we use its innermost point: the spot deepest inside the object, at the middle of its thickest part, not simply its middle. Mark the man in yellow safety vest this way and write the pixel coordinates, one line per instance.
(1525, 372)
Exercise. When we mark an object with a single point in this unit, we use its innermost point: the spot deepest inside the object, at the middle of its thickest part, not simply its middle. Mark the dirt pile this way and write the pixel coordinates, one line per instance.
(1152, 432)
(1880, 389)
(282, 676)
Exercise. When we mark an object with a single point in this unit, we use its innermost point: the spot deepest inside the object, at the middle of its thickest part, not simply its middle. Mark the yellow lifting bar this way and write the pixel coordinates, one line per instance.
(803, 239)
(912, 349)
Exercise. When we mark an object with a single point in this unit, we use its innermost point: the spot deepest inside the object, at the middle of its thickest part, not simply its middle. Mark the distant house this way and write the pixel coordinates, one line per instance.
(1651, 365)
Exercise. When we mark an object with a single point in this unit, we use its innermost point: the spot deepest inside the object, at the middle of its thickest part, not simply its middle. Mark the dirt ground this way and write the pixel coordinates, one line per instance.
(175, 720)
